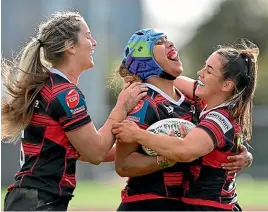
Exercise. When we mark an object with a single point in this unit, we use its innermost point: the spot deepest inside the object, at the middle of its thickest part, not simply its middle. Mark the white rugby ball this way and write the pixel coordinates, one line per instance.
(166, 126)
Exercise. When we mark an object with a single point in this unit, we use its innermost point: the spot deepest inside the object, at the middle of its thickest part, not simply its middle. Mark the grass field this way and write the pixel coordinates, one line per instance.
(91, 195)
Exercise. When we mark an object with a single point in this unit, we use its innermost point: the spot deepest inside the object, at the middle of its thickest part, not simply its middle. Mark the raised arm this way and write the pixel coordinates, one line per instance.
(185, 85)
(91, 144)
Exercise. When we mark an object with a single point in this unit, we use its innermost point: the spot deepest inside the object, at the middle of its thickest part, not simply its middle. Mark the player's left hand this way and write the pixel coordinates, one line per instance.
(239, 161)
(125, 131)
(131, 95)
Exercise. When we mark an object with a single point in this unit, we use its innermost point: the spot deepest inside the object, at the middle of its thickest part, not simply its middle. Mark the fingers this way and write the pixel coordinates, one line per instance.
(172, 133)
(129, 79)
(236, 160)
(236, 169)
(116, 131)
(183, 131)
(231, 172)
(234, 157)
(134, 84)
(242, 148)
(117, 137)
(126, 85)
(233, 166)
(141, 95)
(139, 89)
(116, 125)
(127, 122)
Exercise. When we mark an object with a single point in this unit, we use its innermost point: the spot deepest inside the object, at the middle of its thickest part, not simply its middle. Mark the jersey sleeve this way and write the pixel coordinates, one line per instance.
(219, 128)
(68, 107)
(143, 114)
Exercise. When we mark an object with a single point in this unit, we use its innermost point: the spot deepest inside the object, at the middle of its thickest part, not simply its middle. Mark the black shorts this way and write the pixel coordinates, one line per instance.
(152, 205)
(188, 207)
(28, 199)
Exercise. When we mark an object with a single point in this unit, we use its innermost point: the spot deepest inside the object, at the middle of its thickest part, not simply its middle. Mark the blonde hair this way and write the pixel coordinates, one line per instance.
(24, 79)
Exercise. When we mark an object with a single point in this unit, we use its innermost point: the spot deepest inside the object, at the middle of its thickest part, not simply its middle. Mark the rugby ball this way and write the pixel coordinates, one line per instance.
(166, 126)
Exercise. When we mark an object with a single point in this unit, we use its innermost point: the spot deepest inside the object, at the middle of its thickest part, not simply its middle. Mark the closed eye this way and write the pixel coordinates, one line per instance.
(161, 40)
(88, 35)
(206, 68)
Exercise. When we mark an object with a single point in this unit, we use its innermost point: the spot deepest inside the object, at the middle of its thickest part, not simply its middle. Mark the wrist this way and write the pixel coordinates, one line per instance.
(118, 114)
(162, 162)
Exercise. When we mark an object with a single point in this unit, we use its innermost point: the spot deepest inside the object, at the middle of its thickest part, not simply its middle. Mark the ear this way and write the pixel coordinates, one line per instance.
(70, 47)
(228, 85)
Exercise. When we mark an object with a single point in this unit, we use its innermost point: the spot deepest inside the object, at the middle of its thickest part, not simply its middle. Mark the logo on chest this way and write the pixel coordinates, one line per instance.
(169, 109)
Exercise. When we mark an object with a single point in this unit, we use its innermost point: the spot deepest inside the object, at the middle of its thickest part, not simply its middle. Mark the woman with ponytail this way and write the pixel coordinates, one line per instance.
(48, 111)
(226, 84)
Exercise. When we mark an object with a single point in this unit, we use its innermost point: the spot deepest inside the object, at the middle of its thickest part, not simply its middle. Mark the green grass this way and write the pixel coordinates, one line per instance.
(92, 195)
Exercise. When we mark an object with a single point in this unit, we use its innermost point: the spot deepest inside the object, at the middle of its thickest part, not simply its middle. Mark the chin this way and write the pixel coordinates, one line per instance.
(198, 93)
(91, 64)
(177, 72)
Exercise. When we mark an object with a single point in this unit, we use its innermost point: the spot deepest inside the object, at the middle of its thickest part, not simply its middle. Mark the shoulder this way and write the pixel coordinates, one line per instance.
(221, 118)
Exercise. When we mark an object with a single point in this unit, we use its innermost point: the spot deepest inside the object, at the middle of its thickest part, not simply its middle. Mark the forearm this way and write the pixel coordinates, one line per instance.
(137, 164)
(107, 139)
(110, 157)
(173, 148)
(185, 85)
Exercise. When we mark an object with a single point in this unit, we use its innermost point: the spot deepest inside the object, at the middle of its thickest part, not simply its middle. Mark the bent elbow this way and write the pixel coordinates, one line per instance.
(94, 161)
(121, 171)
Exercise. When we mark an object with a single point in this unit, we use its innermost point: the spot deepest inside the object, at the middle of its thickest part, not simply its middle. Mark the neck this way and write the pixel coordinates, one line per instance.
(167, 86)
(215, 101)
(69, 69)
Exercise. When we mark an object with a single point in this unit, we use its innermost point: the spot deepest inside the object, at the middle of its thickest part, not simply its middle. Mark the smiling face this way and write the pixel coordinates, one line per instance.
(166, 55)
(84, 49)
(211, 83)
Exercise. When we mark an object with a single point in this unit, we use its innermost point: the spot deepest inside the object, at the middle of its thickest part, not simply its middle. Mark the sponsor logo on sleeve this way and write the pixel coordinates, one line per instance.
(72, 98)
(139, 112)
(221, 121)
(72, 102)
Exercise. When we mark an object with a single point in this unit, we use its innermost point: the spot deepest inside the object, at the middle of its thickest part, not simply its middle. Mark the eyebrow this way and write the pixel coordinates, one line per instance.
(210, 66)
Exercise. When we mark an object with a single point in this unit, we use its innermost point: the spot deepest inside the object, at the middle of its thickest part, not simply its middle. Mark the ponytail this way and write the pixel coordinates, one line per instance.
(23, 82)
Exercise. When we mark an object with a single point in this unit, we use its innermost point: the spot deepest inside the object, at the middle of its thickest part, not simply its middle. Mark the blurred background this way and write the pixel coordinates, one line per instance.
(196, 26)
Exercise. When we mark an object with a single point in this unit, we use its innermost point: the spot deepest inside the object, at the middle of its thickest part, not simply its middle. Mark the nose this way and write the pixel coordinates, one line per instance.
(94, 42)
(200, 73)
(171, 44)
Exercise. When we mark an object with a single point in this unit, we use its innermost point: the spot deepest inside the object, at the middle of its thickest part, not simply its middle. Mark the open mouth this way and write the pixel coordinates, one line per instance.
(91, 52)
(173, 55)
(200, 83)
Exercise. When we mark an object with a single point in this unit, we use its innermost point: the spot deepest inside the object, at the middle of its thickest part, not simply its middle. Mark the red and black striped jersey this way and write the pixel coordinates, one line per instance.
(165, 183)
(206, 182)
(48, 159)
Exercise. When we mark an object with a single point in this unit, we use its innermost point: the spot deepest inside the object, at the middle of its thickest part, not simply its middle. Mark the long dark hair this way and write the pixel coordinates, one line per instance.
(240, 65)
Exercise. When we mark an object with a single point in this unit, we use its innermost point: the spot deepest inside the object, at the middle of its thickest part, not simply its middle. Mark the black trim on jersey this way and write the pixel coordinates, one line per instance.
(167, 76)
(195, 110)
